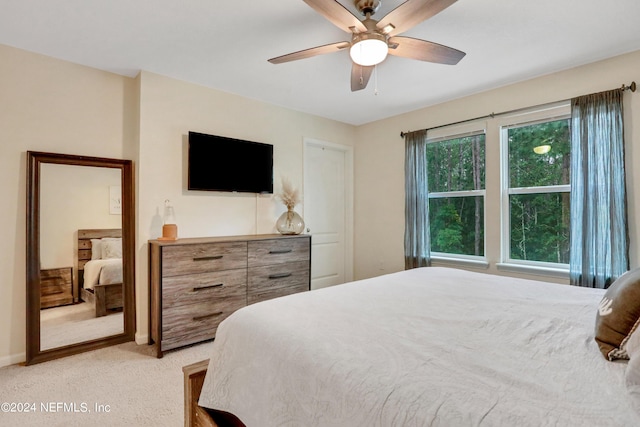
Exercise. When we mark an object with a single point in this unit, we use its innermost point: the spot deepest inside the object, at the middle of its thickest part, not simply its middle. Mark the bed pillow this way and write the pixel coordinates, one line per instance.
(96, 249)
(112, 248)
(618, 315)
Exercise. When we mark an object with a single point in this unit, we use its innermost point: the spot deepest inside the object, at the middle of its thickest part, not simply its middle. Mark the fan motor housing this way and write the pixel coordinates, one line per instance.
(367, 6)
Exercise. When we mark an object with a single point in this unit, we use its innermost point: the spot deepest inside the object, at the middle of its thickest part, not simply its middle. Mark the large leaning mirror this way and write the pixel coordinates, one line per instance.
(80, 254)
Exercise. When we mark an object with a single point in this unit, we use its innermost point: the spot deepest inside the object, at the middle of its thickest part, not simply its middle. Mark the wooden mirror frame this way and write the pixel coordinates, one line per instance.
(34, 353)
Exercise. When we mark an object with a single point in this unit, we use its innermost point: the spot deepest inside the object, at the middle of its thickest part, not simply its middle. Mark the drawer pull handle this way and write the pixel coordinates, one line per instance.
(279, 275)
(200, 288)
(208, 258)
(280, 251)
(207, 316)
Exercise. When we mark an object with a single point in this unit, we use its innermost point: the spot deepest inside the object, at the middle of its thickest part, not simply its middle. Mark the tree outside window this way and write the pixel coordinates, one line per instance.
(538, 191)
(456, 180)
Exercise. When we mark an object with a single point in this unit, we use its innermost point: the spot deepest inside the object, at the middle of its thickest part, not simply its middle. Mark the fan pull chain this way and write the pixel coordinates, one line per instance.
(375, 77)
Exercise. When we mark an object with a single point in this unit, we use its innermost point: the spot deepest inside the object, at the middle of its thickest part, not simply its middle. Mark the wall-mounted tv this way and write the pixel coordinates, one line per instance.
(218, 163)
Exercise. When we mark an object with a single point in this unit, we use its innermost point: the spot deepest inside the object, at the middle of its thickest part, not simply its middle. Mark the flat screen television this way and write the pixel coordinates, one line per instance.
(218, 163)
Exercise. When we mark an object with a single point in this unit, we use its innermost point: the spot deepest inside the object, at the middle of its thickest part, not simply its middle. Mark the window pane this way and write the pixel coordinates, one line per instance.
(456, 164)
(540, 227)
(530, 169)
(457, 225)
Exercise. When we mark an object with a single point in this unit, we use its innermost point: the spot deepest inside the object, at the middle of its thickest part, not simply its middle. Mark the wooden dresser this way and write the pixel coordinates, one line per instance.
(195, 283)
(56, 287)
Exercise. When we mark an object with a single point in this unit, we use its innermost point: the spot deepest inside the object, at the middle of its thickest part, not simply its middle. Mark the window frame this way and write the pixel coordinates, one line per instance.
(560, 111)
(446, 134)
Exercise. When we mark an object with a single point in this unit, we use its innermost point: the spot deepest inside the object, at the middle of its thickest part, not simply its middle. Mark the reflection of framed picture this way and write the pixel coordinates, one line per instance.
(115, 200)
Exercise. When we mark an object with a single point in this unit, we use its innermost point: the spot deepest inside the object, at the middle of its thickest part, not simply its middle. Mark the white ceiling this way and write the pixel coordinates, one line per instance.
(226, 44)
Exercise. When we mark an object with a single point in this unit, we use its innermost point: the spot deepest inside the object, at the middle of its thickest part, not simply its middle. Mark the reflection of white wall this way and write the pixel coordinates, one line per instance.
(72, 198)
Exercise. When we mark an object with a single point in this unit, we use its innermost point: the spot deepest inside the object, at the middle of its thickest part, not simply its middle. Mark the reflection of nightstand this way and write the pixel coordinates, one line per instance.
(56, 287)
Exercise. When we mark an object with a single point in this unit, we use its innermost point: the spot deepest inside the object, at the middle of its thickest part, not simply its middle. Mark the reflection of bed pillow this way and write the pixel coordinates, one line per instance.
(618, 315)
(96, 249)
(111, 248)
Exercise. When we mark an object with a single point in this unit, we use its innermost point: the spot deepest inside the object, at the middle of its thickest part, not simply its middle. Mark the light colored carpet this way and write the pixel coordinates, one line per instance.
(138, 389)
(75, 323)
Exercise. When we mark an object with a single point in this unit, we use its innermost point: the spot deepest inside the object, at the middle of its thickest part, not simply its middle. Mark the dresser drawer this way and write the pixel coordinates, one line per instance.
(187, 259)
(194, 288)
(188, 324)
(278, 251)
(267, 293)
(273, 277)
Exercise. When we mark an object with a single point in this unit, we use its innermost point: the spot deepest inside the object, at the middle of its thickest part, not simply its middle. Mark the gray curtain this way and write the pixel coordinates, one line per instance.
(599, 236)
(417, 245)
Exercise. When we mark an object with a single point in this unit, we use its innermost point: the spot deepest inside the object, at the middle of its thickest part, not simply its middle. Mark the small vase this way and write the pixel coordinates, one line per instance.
(290, 223)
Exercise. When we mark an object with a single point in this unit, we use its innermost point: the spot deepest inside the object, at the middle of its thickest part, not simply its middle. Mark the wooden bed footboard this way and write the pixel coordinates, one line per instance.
(108, 297)
(104, 298)
(194, 414)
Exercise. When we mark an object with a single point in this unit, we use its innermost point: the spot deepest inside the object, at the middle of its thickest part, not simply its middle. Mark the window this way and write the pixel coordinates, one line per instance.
(456, 181)
(536, 192)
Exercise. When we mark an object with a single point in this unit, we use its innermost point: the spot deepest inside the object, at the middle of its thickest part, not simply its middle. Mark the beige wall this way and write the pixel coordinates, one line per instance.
(379, 204)
(73, 198)
(169, 109)
(55, 106)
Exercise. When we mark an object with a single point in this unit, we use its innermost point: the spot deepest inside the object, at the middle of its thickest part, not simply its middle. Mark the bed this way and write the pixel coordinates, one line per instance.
(429, 346)
(100, 269)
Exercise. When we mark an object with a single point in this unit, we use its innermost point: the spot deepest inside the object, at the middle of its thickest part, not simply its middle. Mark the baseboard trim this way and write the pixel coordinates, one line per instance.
(12, 359)
(142, 339)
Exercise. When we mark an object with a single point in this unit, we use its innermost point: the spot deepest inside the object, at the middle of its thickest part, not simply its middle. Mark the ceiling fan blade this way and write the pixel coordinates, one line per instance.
(308, 53)
(337, 14)
(423, 50)
(360, 76)
(411, 13)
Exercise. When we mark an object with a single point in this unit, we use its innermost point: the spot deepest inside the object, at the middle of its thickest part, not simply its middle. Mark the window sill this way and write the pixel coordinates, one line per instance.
(559, 273)
(474, 263)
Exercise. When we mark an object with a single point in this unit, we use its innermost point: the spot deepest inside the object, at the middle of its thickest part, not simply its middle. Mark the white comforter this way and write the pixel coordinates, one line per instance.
(102, 271)
(425, 347)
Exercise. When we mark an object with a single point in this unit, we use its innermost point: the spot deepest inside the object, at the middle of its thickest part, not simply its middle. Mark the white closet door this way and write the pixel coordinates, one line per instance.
(328, 210)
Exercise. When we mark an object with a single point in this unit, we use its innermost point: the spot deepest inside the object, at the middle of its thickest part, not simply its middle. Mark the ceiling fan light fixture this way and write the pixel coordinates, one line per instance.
(369, 49)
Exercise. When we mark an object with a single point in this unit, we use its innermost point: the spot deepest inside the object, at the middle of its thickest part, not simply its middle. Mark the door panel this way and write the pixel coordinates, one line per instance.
(327, 212)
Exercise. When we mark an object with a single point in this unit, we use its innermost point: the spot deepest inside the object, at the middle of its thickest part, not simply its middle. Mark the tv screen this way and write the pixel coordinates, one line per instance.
(218, 163)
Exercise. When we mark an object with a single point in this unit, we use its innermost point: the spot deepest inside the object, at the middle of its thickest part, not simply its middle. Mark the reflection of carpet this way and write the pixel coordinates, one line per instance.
(72, 324)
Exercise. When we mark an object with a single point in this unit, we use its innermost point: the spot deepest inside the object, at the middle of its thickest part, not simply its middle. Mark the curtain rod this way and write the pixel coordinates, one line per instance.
(631, 87)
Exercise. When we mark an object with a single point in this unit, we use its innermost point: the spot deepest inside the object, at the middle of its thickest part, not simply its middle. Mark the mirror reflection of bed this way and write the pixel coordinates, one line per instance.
(81, 284)
(100, 269)
(97, 309)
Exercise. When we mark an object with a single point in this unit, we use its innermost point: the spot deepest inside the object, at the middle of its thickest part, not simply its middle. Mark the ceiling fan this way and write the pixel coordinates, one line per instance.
(372, 40)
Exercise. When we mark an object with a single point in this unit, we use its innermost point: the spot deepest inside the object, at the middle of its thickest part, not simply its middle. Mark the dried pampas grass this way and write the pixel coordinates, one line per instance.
(289, 195)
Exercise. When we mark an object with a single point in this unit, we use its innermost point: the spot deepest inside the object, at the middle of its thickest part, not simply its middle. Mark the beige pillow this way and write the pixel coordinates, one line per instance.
(111, 247)
(618, 315)
(96, 249)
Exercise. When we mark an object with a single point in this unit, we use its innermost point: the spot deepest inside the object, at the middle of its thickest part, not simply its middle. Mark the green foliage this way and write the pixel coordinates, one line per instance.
(457, 223)
(540, 227)
(456, 164)
(528, 169)
(446, 228)
(453, 223)
(539, 222)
